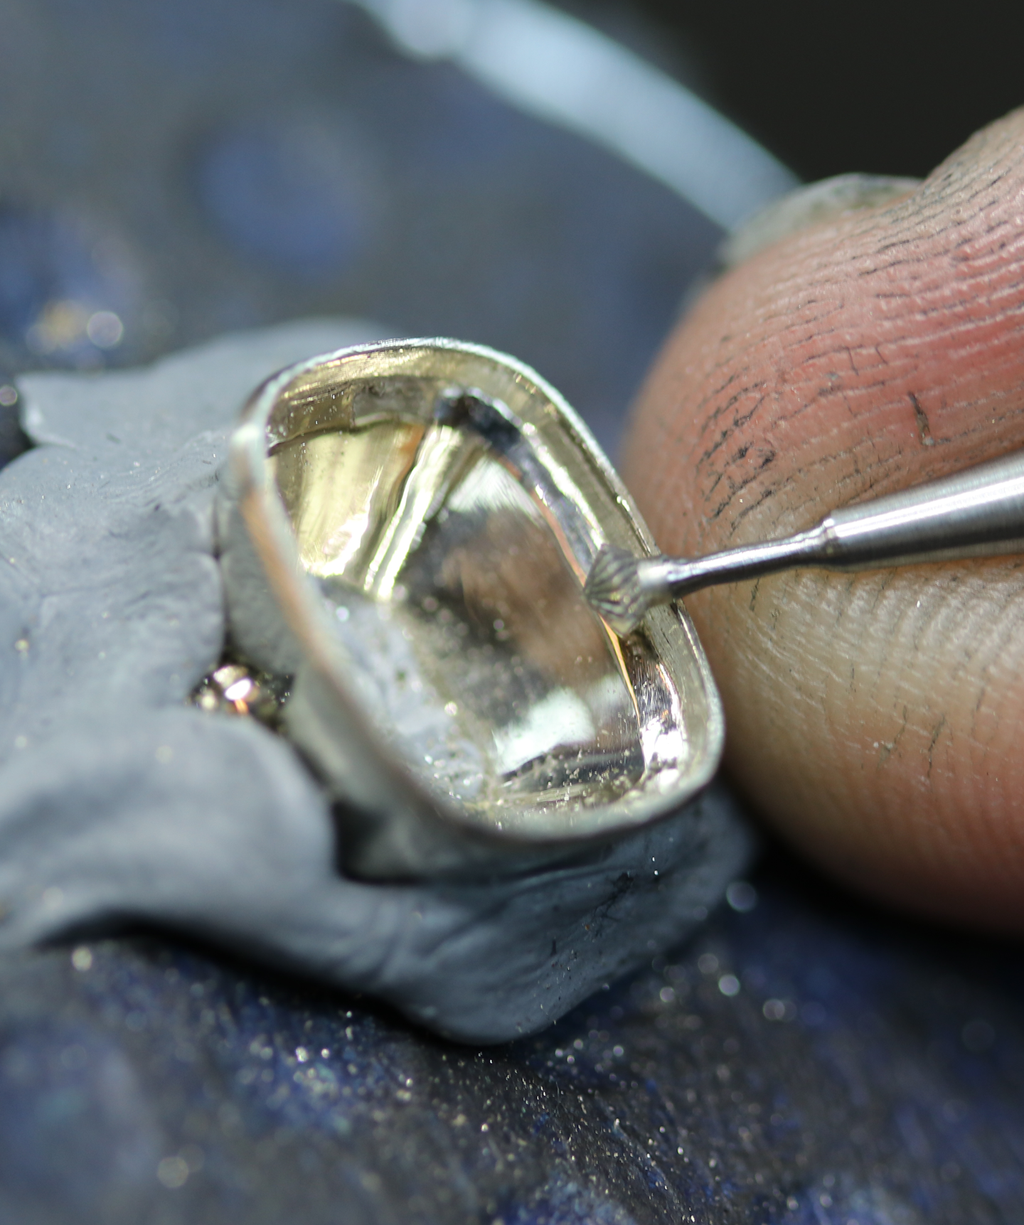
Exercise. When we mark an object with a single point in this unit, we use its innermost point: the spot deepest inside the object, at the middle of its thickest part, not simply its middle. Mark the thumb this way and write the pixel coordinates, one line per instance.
(877, 719)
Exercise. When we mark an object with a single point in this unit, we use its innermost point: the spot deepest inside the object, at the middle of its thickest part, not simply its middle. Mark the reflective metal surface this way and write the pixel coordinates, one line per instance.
(406, 528)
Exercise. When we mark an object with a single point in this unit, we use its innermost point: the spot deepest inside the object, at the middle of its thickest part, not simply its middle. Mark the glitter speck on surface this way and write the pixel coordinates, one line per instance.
(172, 1172)
(105, 329)
(81, 958)
(741, 896)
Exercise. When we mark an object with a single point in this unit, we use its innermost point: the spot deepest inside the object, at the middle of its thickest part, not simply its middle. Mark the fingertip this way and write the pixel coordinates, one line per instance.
(864, 354)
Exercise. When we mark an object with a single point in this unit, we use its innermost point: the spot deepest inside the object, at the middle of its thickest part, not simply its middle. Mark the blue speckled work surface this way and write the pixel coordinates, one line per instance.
(797, 1062)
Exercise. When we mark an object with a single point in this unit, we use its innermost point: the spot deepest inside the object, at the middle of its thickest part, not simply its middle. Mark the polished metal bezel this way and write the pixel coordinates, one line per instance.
(394, 825)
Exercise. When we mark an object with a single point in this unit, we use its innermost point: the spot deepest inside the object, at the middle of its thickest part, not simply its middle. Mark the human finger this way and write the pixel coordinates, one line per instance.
(876, 717)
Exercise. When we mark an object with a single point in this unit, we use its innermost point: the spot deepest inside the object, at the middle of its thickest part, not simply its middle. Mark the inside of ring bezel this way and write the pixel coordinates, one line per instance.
(671, 717)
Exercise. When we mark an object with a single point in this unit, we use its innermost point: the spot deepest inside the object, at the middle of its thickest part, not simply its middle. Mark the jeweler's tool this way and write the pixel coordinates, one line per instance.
(976, 513)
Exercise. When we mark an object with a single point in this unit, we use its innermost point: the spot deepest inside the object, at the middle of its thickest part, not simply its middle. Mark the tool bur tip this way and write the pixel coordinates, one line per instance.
(615, 591)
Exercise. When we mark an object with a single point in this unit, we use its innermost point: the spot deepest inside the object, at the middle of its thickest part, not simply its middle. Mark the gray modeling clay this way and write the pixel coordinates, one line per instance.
(120, 803)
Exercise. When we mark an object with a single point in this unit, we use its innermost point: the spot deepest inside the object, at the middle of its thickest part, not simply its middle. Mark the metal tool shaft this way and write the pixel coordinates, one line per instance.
(975, 513)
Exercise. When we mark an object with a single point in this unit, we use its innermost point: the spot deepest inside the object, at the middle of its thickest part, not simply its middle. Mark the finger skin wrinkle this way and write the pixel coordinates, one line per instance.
(887, 750)
(874, 718)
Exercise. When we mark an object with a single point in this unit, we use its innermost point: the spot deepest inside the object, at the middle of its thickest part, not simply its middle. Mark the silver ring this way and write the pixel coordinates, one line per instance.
(404, 532)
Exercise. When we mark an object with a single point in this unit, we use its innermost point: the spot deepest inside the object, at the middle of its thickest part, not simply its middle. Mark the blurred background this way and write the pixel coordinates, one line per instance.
(883, 86)
(169, 171)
